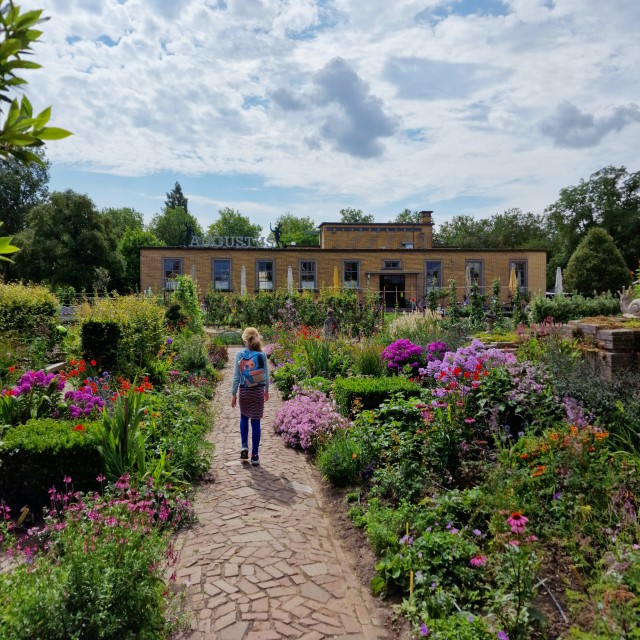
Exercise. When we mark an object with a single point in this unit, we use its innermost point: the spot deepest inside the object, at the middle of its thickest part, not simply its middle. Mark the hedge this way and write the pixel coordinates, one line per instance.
(26, 309)
(371, 392)
(39, 454)
(565, 308)
(141, 322)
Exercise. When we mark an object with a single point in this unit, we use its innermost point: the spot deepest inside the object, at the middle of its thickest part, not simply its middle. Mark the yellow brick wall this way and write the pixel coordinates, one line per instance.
(495, 265)
(375, 236)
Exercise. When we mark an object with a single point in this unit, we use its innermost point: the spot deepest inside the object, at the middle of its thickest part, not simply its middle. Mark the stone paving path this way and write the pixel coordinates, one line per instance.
(262, 563)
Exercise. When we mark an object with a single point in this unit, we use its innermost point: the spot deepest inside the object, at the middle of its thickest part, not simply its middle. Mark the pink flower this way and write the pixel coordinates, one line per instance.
(514, 543)
(478, 561)
(517, 522)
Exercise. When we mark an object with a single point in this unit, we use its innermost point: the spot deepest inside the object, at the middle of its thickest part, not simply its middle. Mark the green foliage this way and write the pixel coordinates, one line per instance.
(339, 459)
(21, 130)
(519, 315)
(102, 342)
(367, 360)
(352, 216)
(66, 240)
(122, 442)
(141, 323)
(191, 351)
(123, 219)
(408, 217)
(187, 296)
(297, 230)
(101, 578)
(176, 198)
(38, 454)
(286, 376)
(6, 248)
(174, 317)
(476, 304)
(371, 392)
(26, 309)
(460, 626)
(565, 308)
(596, 265)
(233, 223)
(170, 226)
(129, 247)
(317, 383)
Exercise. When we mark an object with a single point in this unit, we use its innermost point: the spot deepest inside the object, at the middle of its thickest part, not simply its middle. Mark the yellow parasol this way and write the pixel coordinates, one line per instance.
(513, 281)
(336, 280)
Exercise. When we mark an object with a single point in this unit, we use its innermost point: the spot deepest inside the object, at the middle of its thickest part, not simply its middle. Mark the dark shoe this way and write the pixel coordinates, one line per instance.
(255, 461)
(244, 453)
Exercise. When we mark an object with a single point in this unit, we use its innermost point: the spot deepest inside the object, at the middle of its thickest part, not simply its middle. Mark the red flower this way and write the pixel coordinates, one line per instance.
(12, 369)
(79, 427)
(93, 363)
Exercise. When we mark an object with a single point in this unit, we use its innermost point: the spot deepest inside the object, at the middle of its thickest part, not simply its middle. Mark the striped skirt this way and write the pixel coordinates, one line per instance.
(251, 400)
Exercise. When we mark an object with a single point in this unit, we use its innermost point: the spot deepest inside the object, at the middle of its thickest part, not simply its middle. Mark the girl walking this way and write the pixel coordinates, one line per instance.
(251, 380)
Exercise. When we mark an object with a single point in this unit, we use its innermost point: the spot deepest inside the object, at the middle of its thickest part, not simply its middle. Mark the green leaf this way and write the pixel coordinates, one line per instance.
(52, 133)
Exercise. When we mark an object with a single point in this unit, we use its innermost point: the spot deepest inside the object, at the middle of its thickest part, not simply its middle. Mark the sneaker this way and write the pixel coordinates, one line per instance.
(255, 461)
(244, 453)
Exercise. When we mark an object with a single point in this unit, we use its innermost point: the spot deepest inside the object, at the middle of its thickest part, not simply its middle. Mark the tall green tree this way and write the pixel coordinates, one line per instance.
(21, 130)
(354, 216)
(232, 223)
(596, 265)
(129, 247)
(65, 241)
(171, 226)
(123, 219)
(175, 198)
(408, 217)
(299, 230)
(609, 199)
(22, 187)
(464, 232)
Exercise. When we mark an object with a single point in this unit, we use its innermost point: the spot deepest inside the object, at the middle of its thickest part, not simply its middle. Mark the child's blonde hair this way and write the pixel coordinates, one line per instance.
(251, 338)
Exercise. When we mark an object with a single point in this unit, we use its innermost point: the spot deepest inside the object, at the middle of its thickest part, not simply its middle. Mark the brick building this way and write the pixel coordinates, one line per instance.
(398, 260)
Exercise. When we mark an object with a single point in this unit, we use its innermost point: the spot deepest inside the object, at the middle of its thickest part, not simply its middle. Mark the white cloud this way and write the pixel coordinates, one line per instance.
(253, 86)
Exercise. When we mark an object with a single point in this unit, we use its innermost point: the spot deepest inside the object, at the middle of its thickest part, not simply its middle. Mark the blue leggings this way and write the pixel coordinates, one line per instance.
(255, 433)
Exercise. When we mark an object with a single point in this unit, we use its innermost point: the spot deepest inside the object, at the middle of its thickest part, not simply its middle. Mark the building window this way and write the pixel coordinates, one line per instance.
(265, 275)
(171, 267)
(520, 267)
(308, 273)
(472, 275)
(351, 274)
(434, 274)
(407, 245)
(391, 264)
(222, 275)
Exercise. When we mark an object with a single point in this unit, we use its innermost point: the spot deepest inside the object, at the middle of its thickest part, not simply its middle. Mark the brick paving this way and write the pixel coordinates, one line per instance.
(263, 563)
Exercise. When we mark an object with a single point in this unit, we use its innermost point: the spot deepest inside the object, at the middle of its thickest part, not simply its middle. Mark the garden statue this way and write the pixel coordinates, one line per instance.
(630, 307)
(277, 233)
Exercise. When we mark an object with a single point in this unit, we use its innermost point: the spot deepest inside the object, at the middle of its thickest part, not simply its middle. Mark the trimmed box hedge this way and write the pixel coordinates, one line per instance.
(371, 392)
(26, 309)
(39, 454)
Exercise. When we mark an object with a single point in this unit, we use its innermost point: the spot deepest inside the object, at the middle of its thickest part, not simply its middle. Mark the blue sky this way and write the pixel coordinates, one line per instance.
(309, 106)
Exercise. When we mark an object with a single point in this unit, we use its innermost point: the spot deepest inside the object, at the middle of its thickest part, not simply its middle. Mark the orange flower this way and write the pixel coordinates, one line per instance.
(539, 471)
(12, 369)
(601, 435)
(524, 456)
(354, 456)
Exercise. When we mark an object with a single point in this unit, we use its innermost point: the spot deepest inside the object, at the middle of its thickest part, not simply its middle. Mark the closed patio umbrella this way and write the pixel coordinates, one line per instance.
(467, 281)
(558, 289)
(513, 281)
(290, 280)
(243, 281)
(336, 280)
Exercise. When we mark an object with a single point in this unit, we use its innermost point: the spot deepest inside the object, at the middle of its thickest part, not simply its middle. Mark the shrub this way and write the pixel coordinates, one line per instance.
(596, 265)
(371, 392)
(367, 360)
(191, 351)
(402, 353)
(174, 317)
(141, 323)
(102, 342)
(286, 376)
(187, 296)
(339, 459)
(26, 309)
(38, 454)
(317, 383)
(102, 576)
(218, 355)
(304, 419)
(565, 308)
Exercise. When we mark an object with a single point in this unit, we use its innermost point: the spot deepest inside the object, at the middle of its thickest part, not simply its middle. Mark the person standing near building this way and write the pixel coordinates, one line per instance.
(330, 328)
(251, 385)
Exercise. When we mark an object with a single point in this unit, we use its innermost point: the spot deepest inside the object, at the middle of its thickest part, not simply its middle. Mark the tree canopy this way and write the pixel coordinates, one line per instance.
(129, 247)
(408, 217)
(170, 226)
(123, 219)
(299, 230)
(66, 240)
(22, 187)
(233, 223)
(609, 199)
(175, 198)
(350, 215)
(596, 265)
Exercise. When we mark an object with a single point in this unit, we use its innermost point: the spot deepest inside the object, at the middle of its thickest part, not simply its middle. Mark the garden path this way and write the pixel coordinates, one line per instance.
(262, 562)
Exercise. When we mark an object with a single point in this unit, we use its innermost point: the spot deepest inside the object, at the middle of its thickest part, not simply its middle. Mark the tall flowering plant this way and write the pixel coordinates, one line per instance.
(36, 395)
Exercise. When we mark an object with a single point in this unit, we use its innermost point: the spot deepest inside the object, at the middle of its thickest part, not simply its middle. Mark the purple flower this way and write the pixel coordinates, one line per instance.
(169, 341)
(502, 635)
(424, 630)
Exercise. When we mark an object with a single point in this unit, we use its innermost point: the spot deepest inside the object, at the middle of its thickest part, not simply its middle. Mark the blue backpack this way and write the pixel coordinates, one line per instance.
(252, 369)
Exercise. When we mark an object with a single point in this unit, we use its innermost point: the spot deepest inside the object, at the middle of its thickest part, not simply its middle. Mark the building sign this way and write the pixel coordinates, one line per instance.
(231, 242)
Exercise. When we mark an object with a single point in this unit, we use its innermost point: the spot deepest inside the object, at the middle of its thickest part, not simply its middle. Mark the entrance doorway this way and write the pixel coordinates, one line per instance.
(392, 288)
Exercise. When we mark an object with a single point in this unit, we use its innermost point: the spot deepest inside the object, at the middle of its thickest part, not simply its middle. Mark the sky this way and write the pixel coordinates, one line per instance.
(310, 106)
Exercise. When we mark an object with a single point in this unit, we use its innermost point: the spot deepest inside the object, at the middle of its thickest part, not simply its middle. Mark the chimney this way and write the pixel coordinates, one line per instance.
(426, 217)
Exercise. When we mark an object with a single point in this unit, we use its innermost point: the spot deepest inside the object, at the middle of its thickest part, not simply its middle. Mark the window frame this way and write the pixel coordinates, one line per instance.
(525, 272)
(345, 282)
(167, 283)
(385, 264)
(315, 275)
(213, 273)
(439, 277)
(273, 275)
(469, 261)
